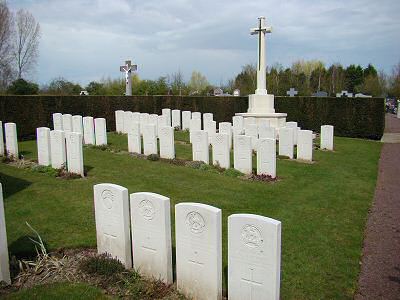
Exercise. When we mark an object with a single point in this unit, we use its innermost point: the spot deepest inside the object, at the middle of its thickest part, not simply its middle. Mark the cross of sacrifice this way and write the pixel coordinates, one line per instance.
(292, 92)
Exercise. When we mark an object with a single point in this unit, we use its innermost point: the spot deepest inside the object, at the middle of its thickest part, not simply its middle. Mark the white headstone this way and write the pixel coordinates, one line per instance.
(248, 121)
(295, 130)
(100, 130)
(111, 205)
(167, 112)
(67, 122)
(208, 117)
(161, 122)
(1, 139)
(211, 128)
(226, 128)
(88, 131)
(198, 251)
(75, 153)
(242, 154)
(134, 138)
(4, 263)
(58, 151)
(43, 146)
(10, 130)
(77, 125)
(254, 257)
(251, 130)
(144, 120)
(286, 143)
(136, 117)
(186, 117)
(128, 116)
(153, 119)
(176, 119)
(195, 125)
(327, 137)
(200, 146)
(149, 139)
(167, 145)
(266, 132)
(266, 157)
(263, 122)
(119, 121)
(221, 150)
(151, 235)
(57, 121)
(238, 125)
(305, 145)
(196, 115)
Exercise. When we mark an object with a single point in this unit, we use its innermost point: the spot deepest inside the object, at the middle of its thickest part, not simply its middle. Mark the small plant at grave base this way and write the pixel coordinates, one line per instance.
(103, 265)
(177, 162)
(8, 158)
(100, 147)
(45, 169)
(207, 167)
(138, 155)
(219, 168)
(231, 172)
(194, 164)
(261, 177)
(153, 157)
(64, 174)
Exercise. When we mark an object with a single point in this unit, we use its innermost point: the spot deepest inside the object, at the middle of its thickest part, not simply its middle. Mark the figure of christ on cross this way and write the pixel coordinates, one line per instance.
(128, 68)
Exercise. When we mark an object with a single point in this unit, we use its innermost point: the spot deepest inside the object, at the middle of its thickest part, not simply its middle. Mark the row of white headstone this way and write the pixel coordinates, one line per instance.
(136, 229)
(4, 260)
(11, 140)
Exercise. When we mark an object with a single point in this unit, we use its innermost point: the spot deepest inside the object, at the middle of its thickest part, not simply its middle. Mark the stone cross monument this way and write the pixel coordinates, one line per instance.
(261, 104)
(128, 68)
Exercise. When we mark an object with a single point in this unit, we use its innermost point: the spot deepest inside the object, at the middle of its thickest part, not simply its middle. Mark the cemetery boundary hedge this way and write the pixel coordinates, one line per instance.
(352, 117)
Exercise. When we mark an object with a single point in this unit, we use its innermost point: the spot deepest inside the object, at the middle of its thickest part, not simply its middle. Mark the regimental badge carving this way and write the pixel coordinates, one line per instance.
(241, 141)
(108, 198)
(146, 209)
(195, 222)
(251, 236)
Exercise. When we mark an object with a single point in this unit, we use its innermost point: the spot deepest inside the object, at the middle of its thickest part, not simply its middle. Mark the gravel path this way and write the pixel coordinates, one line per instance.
(380, 268)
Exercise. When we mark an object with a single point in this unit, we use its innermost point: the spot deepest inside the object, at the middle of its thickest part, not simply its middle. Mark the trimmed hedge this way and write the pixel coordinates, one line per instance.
(352, 117)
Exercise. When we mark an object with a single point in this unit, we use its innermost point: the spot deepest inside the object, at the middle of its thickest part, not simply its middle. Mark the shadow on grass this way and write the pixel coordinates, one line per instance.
(12, 185)
(24, 247)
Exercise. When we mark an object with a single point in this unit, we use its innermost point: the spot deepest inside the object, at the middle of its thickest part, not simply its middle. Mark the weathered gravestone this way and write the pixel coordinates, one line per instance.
(153, 119)
(75, 153)
(77, 124)
(242, 154)
(136, 117)
(167, 113)
(4, 263)
(251, 130)
(57, 121)
(111, 205)
(286, 143)
(149, 139)
(1, 139)
(295, 130)
(292, 92)
(254, 257)
(144, 120)
(176, 119)
(200, 146)
(88, 131)
(238, 125)
(10, 130)
(327, 137)
(195, 125)
(186, 117)
(151, 235)
(167, 145)
(161, 122)
(266, 157)
(211, 128)
(67, 123)
(128, 115)
(119, 121)
(221, 150)
(134, 138)
(58, 151)
(198, 251)
(208, 117)
(305, 145)
(100, 130)
(226, 128)
(196, 115)
(43, 146)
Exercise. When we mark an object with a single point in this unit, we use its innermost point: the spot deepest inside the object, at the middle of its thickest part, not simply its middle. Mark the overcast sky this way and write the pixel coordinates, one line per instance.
(86, 40)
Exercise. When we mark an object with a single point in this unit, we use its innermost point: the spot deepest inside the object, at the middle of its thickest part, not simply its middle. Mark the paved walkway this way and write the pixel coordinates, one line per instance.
(380, 268)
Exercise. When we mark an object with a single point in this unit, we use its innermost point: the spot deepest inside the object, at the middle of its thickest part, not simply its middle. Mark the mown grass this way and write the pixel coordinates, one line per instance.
(322, 206)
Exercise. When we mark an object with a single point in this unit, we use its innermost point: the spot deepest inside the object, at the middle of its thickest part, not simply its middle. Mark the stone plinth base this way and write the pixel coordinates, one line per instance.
(277, 120)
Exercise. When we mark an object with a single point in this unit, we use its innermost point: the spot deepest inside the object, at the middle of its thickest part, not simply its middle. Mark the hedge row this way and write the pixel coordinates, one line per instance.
(352, 117)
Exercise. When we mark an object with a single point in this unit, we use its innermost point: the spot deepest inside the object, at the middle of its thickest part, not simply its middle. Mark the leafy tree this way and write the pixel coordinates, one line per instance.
(354, 77)
(198, 83)
(61, 86)
(95, 88)
(370, 71)
(246, 80)
(394, 82)
(23, 87)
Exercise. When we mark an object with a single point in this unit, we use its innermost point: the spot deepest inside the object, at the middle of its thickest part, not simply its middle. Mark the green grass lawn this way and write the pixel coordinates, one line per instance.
(322, 206)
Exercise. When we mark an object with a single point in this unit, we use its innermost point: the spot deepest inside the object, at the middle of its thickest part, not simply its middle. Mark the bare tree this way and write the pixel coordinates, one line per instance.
(6, 29)
(27, 35)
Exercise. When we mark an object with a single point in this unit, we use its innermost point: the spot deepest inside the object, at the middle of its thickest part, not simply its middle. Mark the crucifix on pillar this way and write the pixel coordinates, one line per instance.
(128, 68)
(261, 30)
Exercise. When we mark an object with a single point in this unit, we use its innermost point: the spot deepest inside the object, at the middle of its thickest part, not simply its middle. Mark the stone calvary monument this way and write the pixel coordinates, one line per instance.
(127, 69)
(261, 104)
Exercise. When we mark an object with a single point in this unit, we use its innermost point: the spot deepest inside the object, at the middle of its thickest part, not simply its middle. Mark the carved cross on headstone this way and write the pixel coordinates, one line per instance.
(127, 69)
(292, 92)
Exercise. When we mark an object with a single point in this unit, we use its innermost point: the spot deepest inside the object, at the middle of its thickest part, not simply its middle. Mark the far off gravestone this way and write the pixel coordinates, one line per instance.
(149, 139)
(266, 157)
(167, 145)
(200, 144)
(4, 260)
(1, 139)
(327, 137)
(100, 130)
(186, 117)
(251, 130)
(57, 121)
(295, 130)
(238, 125)
(119, 121)
(111, 204)
(242, 154)
(10, 130)
(195, 125)
(134, 138)
(291, 92)
(221, 150)
(196, 115)
(254, 257)
(305, 145)
(286, 143)
(43, 146)
(198, 251)
(208, 117)
(167, 113)
(128, 115)
(226, 128)
(151, 235)
(211, 128)
(58, 150)
(88, 131)
(67, 123)
(176, 119)
(77, 125)
(75, 153)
